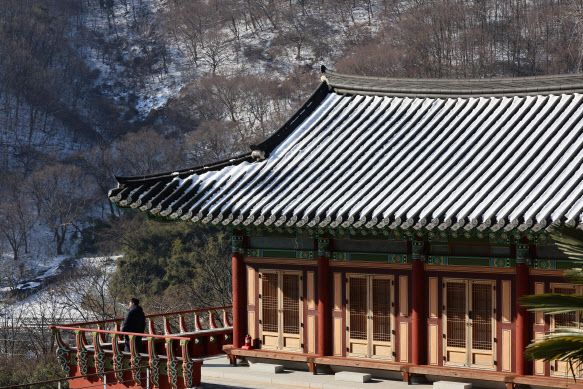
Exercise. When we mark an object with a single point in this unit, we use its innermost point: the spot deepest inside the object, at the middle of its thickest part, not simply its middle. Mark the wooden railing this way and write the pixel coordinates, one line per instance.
(180, 351)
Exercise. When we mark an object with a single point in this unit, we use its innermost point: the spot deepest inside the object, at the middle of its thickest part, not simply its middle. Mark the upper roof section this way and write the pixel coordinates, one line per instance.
(443, 88)
(356, 158)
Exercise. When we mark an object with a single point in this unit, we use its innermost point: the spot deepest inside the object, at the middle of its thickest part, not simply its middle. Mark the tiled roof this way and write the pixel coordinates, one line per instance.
(420, 154)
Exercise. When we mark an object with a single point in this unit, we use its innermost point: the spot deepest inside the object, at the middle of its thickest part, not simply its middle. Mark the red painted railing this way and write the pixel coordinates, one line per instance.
(180, 353)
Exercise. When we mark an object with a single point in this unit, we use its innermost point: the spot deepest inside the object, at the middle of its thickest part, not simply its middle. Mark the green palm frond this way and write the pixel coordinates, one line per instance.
(574, 275)
(566, 344)
(553, 303)
(569, 240)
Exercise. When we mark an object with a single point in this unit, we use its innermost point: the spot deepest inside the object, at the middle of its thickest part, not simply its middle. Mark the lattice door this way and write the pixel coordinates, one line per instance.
(281, 308)
(270, 333)
(369, 316)
(572, 320)
(469, 323)
(481, 315)
(381, 301)
(357, 321)
(290, 312)
(456, 307)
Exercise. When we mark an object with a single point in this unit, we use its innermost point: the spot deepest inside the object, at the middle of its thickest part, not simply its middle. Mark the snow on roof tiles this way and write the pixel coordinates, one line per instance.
(391, 153)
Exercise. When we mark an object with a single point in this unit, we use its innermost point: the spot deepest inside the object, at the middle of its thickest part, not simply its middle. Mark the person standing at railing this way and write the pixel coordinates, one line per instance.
(135, 321)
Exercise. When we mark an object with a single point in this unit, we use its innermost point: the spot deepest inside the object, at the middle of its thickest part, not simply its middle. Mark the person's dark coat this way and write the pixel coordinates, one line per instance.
(135, 321)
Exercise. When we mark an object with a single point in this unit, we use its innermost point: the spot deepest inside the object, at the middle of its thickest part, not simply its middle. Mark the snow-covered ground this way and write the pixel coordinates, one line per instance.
(52, 293)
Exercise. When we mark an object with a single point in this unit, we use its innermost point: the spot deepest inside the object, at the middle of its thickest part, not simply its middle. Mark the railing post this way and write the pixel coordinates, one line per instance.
(101, 335)
(226, 321)
(197, 325)
(187, 365)
(83, 338)
(154, 363)
(212, 323)
(98, 354)
(147, 378)
(117, 360)
(82, 358)
(136, 361)
(151, 326)
(167, 330)
(171, 364)
(63, 352)
(104, 381)
(182, 323)
(190, 368)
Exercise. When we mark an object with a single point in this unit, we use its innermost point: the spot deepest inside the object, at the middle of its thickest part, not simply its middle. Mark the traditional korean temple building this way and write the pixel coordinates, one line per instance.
(394, 223)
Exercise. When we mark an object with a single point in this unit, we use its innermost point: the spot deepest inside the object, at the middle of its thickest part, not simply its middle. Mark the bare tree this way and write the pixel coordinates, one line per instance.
(215, 49)
(16, 215)
(62, 194)
(188, 22)
(212, 141)
(85, 293)
(145, 152)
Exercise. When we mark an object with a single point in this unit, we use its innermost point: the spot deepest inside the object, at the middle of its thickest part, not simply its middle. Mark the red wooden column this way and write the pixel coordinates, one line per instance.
(324, 330)
(239, 292)
(522, 325)
(418, 320)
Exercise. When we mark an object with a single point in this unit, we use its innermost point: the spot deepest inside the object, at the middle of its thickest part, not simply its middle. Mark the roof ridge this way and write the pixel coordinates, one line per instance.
(458, 87)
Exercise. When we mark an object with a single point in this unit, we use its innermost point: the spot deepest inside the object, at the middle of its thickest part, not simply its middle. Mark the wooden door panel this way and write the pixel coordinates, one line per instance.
(456, 307)
(482, 360)
(380, 321)
(369, 316)
(469, 314)
(358, 349)
(290, 342)
(481, 324)
(271, 340)
(382, 351)
(291, 304)
(358, 308)
(290, 312)
(269, 302)
(357, 320)
(281, 310)
(560, 368)
(458, 357)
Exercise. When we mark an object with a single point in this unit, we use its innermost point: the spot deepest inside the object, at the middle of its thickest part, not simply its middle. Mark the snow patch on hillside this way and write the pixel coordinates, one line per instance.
(39, 298)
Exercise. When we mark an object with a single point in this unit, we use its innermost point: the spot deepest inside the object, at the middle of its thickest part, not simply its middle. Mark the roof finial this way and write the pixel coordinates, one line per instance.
(323, 69)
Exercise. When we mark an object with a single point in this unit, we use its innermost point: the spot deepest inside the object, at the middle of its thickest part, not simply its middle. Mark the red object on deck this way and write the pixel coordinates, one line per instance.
(247, 345)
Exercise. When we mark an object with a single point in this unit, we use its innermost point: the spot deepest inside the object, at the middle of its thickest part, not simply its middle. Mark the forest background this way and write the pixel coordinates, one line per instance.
(91, 89)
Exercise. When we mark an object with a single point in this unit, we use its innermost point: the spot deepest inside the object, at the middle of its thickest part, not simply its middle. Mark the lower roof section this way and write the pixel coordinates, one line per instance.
(391, 162)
